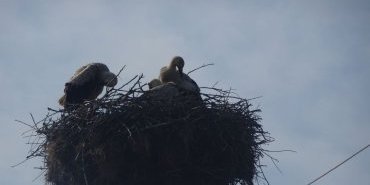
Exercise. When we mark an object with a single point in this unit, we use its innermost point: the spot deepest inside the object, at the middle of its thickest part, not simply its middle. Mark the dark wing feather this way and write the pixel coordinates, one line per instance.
(194, 85)
(84, 85)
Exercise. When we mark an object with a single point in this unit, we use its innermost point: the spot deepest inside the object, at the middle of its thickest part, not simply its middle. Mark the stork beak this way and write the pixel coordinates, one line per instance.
(180, 71)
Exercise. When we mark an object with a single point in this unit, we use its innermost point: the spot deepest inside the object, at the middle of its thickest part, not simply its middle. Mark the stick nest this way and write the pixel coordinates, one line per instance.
(130, 137)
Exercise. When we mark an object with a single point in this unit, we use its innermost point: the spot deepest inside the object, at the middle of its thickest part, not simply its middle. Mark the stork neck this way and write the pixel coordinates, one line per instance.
(172, 65)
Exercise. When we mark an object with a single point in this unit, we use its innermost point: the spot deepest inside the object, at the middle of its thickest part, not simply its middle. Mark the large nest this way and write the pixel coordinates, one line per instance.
(130, 136)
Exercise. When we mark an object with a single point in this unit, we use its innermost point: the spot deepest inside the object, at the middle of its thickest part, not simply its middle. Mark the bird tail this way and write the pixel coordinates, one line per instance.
(62, 100)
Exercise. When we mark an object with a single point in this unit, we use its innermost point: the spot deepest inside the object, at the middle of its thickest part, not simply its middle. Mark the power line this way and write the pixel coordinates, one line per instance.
(362, 149)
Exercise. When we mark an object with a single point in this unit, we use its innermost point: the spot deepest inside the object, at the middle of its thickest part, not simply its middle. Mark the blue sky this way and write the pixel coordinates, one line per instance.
(310, 60)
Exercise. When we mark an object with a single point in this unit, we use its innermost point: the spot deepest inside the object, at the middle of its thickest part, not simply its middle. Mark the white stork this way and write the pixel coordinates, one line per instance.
(87, 83)
(171, 74)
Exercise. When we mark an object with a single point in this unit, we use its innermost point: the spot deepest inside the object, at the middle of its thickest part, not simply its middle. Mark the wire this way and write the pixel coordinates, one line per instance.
(362, 149)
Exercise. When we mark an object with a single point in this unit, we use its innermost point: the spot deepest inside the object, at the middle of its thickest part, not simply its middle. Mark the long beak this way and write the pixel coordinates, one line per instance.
(180, 71)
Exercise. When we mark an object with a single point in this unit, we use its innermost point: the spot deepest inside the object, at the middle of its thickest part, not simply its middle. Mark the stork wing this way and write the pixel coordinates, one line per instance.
(78, 71)
(191, 82)
(84, 75)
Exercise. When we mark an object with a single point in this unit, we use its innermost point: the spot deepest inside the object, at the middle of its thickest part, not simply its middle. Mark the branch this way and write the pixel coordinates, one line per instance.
(204, 65)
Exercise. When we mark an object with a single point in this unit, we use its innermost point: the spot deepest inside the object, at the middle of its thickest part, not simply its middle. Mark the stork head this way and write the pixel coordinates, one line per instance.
(179, 62)
(109, 79)
(154, 83)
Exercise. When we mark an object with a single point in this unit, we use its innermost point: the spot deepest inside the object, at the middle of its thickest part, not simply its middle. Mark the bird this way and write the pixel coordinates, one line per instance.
(154, 83)
(87, 83)
(174, 73)
(163, 92)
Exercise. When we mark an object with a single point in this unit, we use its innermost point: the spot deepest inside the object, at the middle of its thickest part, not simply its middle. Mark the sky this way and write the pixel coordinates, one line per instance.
(308, 59)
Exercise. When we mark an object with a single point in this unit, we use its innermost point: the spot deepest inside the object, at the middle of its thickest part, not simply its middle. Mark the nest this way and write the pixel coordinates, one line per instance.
(130, 136)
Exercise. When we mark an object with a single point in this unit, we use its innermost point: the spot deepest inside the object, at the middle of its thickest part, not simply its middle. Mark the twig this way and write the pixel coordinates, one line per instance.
(25, 124)
(281, 151)
(13, 166)
(38, 176)
(119, 72)
(204, 65)
(34, 122)
(263, 174)
(214, 85)
(128, 82)
(274, 161)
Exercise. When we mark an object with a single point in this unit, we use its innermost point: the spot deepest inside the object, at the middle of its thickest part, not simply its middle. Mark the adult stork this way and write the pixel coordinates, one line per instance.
(174, 73)
(87, 83)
